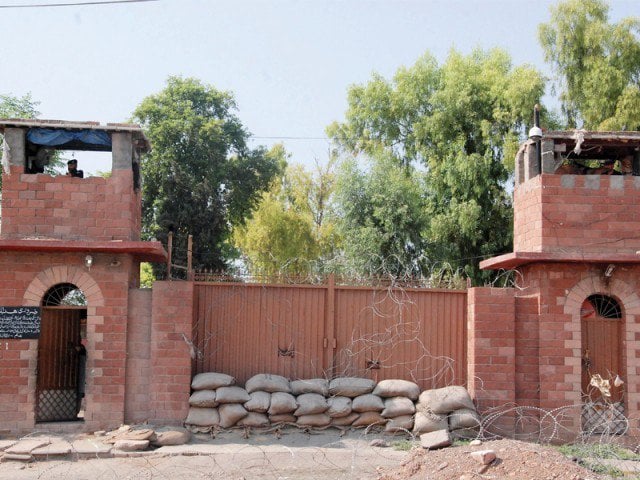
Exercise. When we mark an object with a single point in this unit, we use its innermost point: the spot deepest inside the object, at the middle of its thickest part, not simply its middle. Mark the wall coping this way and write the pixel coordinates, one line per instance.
(144, 251)
(517, 259)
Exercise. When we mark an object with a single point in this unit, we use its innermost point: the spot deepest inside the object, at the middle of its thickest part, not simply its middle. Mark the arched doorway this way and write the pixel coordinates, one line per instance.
(602, 365)
(61, 355)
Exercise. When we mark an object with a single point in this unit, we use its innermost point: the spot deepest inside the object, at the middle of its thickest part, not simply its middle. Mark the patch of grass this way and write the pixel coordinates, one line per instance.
(602, 469)
(588, 454)
(460, 442)
(403, 445)
(598, 450)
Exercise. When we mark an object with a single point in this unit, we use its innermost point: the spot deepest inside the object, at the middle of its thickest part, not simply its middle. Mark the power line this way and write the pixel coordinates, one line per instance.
(74, 4)
(289, 138)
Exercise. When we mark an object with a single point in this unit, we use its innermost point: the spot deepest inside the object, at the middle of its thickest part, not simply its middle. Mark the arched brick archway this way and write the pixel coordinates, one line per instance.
(629, 301)
(621, 291)
(63, 274)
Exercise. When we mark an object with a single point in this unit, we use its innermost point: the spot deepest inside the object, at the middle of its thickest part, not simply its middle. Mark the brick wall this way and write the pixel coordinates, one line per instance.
(577, 213)
(95, 208)
(491, 352)
(24, 279)
(138, 376)
(171, 336)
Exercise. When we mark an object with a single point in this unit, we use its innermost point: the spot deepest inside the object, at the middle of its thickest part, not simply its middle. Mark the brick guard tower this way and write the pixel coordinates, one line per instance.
(70, 250)
(574, 315)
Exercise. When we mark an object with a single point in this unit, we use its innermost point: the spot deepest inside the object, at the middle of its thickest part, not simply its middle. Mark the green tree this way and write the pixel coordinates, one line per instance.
(597, 65)
(200, 177)
(292, 230)
(18, 107)
(382, 211)
(461, 122)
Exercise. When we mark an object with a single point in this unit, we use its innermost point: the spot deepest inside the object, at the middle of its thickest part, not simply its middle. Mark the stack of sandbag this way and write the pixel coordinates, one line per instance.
(399, 408)
(353, 404)
(270, 401)
(448, 408)
(317, 403)
(216, 401)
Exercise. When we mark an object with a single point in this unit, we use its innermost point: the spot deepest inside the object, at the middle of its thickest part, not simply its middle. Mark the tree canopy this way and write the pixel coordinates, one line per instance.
(200, 177)
(292, 230)
(460, 123)
(597, 64)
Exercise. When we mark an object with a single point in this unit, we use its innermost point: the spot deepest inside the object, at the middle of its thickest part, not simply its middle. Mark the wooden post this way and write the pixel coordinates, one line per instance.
(170, 249)
(329, 326)
(190, 258)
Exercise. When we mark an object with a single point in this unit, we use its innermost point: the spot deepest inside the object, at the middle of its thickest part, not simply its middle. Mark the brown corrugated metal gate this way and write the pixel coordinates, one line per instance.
(307, 331)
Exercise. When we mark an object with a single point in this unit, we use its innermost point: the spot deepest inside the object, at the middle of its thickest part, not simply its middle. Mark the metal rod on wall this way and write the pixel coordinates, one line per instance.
(170, 249)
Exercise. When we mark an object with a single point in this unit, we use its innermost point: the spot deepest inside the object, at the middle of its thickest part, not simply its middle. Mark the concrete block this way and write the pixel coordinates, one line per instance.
(434, 440)
(485, 457)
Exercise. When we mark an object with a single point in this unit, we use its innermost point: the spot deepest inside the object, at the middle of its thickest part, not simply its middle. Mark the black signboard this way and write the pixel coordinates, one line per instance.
(19, 322)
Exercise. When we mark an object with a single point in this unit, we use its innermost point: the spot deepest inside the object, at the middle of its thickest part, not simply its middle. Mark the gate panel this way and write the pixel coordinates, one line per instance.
(58, 360)
(307, 331)
(417, 335)
(245, 329)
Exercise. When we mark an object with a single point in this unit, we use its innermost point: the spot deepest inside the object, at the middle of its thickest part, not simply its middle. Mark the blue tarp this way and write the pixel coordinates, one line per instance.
(52, 137)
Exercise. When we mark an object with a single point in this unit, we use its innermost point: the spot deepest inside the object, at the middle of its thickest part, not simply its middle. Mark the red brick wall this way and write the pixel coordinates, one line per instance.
(171, 336)
(138, 375)
(95, 208)
(24, 279)
(577, 213)
(491, 352)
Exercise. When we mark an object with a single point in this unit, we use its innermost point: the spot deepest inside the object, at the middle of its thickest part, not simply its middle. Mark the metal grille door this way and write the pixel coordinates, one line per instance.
(58, 360)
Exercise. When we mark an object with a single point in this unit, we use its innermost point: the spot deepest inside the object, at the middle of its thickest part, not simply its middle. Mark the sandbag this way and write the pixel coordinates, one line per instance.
(464, 418)
(310, 404)
(369, 418)
(346, 420)
(367, 403)
(429, 422)
(397, 407)
(339, 407)
(282, 418)
(314, 385)
(258, 402)
(397, 388)
(267, 382)
(203, 399)
(203, 417)
(319, 420)
(211, 381)
(230, 413)
(255, 420)
(282, 403)
(232, 395)
(401, 424)
(351, 386)
(446, 400)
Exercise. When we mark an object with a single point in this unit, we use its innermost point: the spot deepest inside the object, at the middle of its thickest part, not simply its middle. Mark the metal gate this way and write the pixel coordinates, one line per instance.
(603, 397)
(59, 357)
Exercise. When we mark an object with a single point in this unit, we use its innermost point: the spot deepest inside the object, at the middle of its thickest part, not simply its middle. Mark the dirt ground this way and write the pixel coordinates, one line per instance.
(298, 455)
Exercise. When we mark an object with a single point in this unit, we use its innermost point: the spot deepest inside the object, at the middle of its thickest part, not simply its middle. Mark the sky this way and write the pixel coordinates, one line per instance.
(289, 63)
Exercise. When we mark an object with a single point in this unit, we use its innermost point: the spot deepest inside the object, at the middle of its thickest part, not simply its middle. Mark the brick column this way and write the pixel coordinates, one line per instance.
(491, 353)
(171, 327)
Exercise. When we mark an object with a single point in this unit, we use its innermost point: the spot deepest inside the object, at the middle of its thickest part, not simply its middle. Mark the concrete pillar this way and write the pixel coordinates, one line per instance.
(15, 138)
(122, 149)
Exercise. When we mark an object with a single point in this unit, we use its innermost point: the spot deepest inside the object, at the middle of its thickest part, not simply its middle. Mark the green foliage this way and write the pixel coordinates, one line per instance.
(292, 230)
(382, 217)
(146, 275)
(18, 107)
(403, 445)
(200, 178)
(597, 64)
(454, 129)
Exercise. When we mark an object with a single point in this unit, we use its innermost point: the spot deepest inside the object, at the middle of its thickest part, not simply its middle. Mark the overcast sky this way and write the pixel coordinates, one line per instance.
(288, 62)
